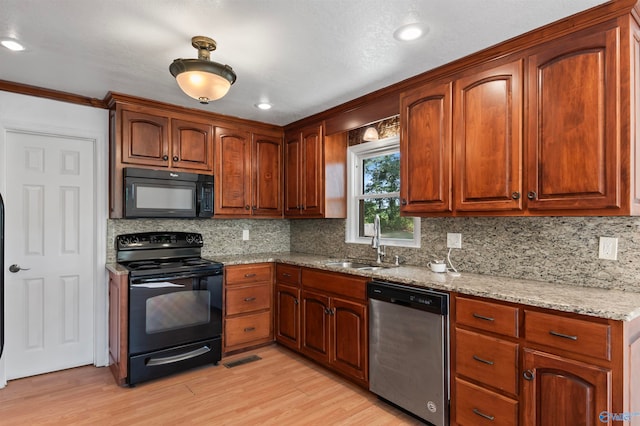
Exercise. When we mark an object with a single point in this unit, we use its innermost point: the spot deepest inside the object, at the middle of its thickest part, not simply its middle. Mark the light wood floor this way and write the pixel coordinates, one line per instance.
(280, 389)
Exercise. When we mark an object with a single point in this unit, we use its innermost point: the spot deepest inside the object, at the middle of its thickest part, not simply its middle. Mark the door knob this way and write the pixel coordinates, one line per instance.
(16, 268)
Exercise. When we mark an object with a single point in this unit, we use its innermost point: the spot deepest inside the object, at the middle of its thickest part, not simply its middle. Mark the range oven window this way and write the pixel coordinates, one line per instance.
(177, 310)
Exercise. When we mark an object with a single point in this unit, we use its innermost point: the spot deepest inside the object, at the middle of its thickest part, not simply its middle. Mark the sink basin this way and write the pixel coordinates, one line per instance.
(349, 264)
(356, 265)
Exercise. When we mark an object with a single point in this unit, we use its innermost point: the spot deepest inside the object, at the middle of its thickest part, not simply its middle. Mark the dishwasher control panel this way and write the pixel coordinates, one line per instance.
(414, 297)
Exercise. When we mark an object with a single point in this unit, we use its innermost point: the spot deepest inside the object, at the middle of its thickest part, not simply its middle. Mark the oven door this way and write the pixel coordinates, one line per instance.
(174, 310)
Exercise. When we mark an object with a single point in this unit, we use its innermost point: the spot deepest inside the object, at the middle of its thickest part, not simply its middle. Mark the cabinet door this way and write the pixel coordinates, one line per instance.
(574, 138)
(288, 316)
(266, 175)
(292, 175)
(314, 324)
(233, 172)
(191, 146)
(349, 338)
(118, 325)
(425, 149)
(564, 392)
(145, 139)
(488, 140)
(312, 195)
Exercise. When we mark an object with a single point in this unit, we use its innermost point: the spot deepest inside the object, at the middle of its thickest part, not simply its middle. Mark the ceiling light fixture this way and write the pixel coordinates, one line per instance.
(371, 134)
(264, 106)
(12, 45)
(201, 78)
(410, 32)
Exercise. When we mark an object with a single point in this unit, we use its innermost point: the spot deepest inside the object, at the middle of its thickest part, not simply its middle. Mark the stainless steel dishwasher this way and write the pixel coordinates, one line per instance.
(409, 349)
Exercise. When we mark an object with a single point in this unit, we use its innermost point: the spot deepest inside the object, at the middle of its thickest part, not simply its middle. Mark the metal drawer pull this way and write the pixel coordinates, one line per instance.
(528, 374)
(564, 336)
(177, 358)
(481, 414)
(482, 317)
(249, 275)
(477, 358)
(249, 299)
(286, 274)
(248, 329)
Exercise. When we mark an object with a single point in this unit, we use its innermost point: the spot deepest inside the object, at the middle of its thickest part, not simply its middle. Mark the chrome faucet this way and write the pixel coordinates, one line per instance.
(375, 241)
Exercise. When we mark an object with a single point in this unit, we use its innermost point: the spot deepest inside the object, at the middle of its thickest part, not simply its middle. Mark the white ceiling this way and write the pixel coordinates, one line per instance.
(303, 56)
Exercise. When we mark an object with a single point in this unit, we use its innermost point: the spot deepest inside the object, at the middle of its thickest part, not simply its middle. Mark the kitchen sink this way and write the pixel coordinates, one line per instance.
(356, 265)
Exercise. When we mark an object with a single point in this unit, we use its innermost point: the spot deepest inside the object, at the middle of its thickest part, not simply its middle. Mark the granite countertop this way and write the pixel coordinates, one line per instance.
(597, 302)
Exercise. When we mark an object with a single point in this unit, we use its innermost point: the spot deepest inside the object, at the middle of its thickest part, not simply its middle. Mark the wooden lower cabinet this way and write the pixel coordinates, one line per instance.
(323, 315)
(513, 364)
(118, 330)
(562, 391)
(248, 297)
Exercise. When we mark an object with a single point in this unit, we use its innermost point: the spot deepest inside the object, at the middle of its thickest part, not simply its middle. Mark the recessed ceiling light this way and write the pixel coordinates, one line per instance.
(264, 106)
(12, 45)
(410, 32)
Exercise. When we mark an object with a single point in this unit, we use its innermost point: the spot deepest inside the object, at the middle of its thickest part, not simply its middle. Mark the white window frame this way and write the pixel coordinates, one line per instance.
(355, 155)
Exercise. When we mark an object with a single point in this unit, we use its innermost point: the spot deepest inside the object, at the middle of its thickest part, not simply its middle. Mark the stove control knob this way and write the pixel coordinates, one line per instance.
(123, 241)
(190, 238)
(134, 240)
(199, 239)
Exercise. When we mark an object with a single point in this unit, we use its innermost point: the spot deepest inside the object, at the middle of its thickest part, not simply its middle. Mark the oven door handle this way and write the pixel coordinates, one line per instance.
(177, 358)
(167, 278)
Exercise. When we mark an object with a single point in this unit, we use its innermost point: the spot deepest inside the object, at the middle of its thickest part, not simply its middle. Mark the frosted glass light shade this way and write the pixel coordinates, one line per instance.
(202, 85)
(371, 134)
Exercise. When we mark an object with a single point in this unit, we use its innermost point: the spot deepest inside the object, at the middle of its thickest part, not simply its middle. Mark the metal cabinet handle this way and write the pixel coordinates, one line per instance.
(484, 361)
(249, 275)
(328, 311)
(481, 414)
(403, 202)
(564, 336)
(286, 274)
(248, 329)
(515, 195)
(16, 268)
(249, 299)
(296, 301)
(175, 158)
(165, 157)
(247, 207)
(532, 195)
(482, 317)
(528, 375)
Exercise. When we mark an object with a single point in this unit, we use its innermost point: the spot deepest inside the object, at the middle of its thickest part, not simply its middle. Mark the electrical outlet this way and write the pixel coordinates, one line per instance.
(245, 235)
(608, 248)
(454, 240)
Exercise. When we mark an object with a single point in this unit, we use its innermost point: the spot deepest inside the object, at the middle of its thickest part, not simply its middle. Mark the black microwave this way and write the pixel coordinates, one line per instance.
(167, 194)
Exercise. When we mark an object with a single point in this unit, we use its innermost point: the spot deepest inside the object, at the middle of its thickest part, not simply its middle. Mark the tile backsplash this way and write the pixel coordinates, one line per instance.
(553, 249)
(221, 236)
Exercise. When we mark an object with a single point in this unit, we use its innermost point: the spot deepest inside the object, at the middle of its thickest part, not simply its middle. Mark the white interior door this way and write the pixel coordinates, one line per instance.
(50, 215)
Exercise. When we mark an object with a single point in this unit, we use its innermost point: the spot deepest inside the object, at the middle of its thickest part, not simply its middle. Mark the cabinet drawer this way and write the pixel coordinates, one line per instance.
(487, 359)
(570, 334)
(287, 274)
(476, 406)
(247, 298)
(340, 284)
(487, 316)
(247, 328)
(244, 274)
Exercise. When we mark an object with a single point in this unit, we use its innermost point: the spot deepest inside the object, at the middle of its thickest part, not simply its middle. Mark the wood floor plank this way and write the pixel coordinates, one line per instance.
(280, 389)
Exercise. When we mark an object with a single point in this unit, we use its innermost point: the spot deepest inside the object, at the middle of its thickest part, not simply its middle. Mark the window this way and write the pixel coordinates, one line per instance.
(374, 188)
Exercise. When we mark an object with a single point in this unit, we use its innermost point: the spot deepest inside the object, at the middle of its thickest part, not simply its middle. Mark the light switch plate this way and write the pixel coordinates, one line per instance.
(608, 248)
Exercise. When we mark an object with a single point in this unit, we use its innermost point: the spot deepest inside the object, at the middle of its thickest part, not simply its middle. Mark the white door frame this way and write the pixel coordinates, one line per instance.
(94, 128)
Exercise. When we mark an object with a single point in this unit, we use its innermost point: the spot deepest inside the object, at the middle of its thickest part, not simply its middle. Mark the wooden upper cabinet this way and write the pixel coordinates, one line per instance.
(192, 145)
(574, 151)
(266, 165)
(145, 139)
(248, 173)
(425, 149)
(304, 172)
(487, 139)
(154, 140)
(233, 172)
